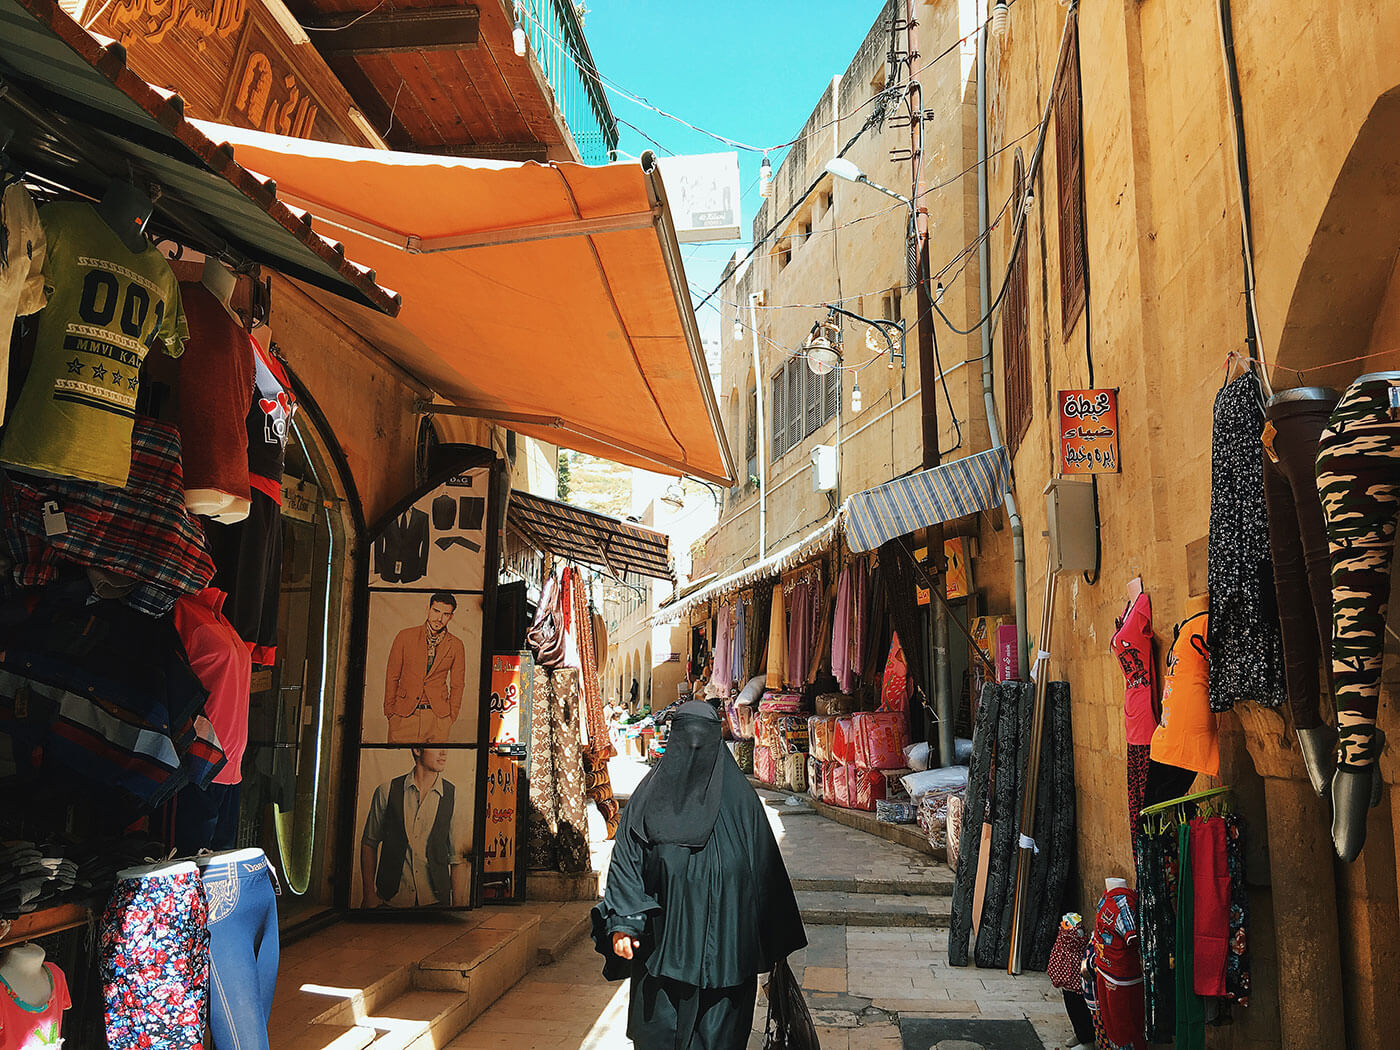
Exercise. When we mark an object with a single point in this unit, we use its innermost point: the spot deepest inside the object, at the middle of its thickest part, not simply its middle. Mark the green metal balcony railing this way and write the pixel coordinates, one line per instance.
(558, 44)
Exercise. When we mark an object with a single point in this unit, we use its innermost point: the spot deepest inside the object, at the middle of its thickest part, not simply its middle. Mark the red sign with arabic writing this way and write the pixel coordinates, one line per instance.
(1089, 432)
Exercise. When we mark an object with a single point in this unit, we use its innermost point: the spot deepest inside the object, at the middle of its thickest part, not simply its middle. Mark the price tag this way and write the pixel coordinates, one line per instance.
(55, 524)
(1267, 439)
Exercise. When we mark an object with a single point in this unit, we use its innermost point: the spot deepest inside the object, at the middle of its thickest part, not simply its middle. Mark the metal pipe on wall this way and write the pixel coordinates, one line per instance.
(984, 278)
(754, 297)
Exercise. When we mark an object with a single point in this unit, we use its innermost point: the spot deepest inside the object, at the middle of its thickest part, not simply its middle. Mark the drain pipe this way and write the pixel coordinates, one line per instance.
(754, 297)
(984, 278)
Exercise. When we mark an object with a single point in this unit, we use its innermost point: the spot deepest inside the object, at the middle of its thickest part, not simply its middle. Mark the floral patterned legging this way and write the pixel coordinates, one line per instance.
(154, 948)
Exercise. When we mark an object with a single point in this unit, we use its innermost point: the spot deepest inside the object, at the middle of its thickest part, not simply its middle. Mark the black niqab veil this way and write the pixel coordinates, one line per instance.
(680, 800)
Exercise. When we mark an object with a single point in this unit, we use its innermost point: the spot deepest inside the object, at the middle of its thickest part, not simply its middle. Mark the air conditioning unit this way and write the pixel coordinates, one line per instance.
(823, 468)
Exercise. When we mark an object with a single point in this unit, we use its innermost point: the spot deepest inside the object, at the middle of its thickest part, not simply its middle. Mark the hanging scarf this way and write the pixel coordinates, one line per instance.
(777, 641)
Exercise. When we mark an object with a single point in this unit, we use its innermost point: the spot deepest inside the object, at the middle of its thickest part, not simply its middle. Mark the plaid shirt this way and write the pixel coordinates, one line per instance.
(141, 531)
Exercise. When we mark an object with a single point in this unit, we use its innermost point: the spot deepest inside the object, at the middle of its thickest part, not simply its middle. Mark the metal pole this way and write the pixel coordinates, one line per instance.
(761, 439)
(1028, 847)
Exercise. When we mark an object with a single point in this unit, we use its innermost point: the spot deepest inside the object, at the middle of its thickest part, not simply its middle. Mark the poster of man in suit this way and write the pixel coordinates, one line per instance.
(440, 540)
(424, 663)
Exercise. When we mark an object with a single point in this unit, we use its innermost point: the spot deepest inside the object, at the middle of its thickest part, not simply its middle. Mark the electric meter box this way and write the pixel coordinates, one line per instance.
(1069, 510)
(823, 468)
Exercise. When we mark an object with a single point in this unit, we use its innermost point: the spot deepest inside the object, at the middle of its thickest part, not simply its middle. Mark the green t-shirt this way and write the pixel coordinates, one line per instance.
(107, 307)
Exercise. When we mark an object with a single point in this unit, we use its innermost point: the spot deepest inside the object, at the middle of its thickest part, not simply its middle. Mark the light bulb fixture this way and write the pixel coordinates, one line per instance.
(823, 348)
(738, 330)
(674, 496)
(855, 397)
(938, 295)
(1001, 14)
(1030, 199)
(765, 178)
(517, 35)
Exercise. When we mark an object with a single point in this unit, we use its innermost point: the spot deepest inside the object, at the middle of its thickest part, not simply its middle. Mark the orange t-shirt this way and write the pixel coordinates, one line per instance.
(1187, 737)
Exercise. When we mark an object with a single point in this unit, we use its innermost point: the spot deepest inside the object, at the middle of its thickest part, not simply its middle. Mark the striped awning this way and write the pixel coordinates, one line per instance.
(953, 490)
(589, 538)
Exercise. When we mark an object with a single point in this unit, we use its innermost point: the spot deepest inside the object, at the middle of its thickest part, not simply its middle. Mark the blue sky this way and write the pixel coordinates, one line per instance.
(748, 69)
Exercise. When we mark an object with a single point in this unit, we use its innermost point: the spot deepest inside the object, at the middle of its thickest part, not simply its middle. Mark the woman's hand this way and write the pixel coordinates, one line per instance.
(624, 945)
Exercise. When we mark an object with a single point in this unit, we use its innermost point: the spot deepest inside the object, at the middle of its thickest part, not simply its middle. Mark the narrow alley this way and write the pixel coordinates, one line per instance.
(875, 969)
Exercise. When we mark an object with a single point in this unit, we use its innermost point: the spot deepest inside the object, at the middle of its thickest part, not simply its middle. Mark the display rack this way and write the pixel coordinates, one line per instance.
(43, 922)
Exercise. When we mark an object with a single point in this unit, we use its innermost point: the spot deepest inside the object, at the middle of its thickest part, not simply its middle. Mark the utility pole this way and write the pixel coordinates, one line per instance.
(928, 398)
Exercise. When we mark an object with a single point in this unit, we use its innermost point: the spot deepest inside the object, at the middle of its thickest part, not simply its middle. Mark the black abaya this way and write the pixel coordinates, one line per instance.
(709, 918)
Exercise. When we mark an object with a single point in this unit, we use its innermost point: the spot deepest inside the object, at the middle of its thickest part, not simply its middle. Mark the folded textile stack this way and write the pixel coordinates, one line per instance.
(835, 704)
(765, 766)
(743, 755)
(44, 875)
(890, 811)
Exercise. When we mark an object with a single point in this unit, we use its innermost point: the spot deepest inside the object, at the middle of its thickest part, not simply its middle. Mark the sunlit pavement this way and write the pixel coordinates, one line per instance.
(860, 979)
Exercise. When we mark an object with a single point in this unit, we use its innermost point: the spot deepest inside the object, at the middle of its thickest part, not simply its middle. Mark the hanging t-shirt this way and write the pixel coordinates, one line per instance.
(33, 1026)
(216, 391)
(1187, 737)
(1132, 644)
(107, 307)
(21, 268)
(224, 667)
(269, 423)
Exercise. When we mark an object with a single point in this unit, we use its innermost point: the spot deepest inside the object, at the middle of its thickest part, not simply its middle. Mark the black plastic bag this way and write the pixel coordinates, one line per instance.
(789, 1025)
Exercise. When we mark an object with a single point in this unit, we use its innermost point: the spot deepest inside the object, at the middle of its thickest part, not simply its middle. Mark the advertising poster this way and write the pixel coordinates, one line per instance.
(502, 813)
(421, 804)
(1089, 432)
(423, 861)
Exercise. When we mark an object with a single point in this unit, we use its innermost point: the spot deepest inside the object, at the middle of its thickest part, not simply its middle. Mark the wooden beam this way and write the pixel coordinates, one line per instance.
(519, 151)
(396, 32)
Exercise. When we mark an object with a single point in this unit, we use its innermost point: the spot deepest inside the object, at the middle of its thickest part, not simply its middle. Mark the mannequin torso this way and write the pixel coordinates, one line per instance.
(22, 968)
(127, 210)
(160, 870)
(220, 281)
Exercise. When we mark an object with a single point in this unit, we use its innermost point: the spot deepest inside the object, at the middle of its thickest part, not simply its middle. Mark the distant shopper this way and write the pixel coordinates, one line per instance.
(698, 901)
(411, 855)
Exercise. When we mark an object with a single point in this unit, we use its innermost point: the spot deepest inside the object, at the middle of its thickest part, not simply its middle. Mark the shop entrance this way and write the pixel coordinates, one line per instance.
(286, 783)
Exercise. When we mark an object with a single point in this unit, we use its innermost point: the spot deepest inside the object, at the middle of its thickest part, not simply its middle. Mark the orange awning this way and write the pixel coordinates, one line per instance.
(550, 297)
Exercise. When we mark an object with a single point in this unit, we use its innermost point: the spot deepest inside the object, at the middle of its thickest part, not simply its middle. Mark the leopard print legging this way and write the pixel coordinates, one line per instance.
(1358, 479)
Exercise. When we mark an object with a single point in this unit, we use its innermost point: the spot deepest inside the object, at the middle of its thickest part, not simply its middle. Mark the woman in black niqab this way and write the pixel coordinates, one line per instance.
(698, 902)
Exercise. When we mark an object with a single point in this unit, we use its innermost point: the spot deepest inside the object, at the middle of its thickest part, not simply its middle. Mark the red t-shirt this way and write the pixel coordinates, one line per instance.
(33, 1026)
(216, 389)
(224, 666)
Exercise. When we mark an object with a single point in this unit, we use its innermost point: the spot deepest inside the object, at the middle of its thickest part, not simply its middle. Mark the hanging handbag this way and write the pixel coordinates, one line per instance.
(546, 635)
(789, 1025)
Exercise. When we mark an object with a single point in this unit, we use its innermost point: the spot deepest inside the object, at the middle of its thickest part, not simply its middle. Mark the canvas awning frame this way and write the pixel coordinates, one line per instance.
(589, 538)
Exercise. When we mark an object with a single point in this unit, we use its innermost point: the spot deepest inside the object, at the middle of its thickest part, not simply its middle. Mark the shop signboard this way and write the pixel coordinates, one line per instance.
(510, 690)
(502, 813)
(703, 191)
(1089, 432)
(426, 709)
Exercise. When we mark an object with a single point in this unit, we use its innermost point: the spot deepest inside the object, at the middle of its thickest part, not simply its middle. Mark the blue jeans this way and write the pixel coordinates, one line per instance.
(243, 951)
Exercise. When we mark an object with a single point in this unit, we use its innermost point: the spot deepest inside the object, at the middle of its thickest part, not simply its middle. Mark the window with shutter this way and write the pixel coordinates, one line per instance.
(1069, 176)
(1015, 336)
(751, 436)
(794, 403)
(833, 394)
(816, 402)
(779, 415)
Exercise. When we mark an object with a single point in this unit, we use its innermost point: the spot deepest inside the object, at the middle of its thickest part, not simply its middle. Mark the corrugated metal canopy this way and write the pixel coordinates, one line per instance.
(590, 538)
(82, 118)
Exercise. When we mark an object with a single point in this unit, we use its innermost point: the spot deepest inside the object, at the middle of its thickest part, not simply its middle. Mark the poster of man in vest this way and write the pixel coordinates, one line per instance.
(424, 652)
(416, 838)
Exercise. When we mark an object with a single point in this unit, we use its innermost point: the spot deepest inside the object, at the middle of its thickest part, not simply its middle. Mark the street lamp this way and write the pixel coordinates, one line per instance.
(823, 347)
(888, 329)
(845, 169)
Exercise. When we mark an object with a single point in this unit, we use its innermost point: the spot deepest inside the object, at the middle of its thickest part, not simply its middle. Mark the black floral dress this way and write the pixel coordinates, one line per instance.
(1246, 647)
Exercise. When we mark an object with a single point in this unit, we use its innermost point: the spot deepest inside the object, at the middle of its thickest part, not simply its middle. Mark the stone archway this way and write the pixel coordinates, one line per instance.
(1350, 263)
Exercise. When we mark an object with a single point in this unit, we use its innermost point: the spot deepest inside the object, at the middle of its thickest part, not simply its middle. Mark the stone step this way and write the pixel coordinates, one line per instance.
(328, 1037)
(824, 908)
(419, 1020)
(936, 887)
(560, 930)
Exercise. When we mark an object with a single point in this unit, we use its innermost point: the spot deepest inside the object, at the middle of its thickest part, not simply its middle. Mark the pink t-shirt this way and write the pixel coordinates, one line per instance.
(33, 1026)
(223, 666)
(1132, 644)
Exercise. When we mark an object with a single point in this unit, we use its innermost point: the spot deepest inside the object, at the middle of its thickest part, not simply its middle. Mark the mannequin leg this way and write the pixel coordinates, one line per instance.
(1358, 479)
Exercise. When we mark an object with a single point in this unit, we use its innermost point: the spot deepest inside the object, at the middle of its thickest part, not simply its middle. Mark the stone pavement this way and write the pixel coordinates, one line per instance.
(861, 978)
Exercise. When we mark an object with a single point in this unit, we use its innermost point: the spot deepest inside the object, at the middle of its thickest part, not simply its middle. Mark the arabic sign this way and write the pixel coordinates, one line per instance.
(1089, 432)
